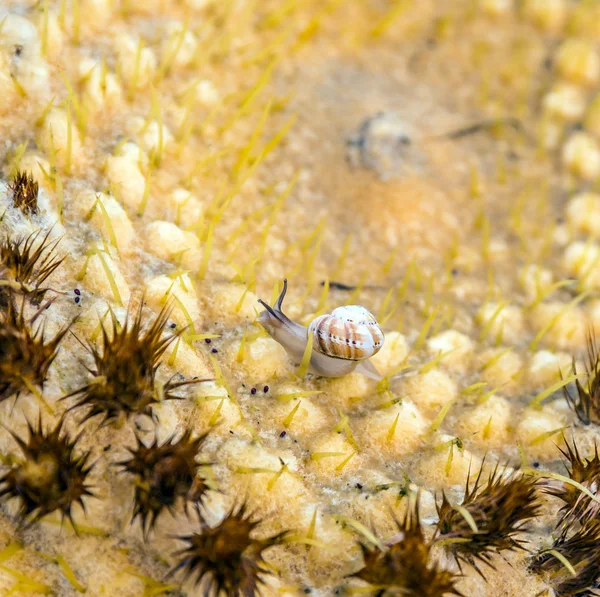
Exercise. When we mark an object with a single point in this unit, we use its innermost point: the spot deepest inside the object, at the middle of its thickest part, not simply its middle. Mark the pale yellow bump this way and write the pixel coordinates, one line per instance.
(168, 241)
(126, 181)
(487, 424)
(458, 346)
(101, 89)
(232, 304)
(183, 208)
(577, 60)
(430, 391)
(302, 417)
(583, 213)
(502, 321)
(103, 276)
(136, 63)
(564, 328)
(565, 102)
(393, 353)
(435, 470)
(159, 290)
(107, 215)
(343, 392)
(51, 34)
(179, 46)
(330, 451)
(60, 133)
(535, 280)
(271, 485)
(264, 358)
(187, 360)
(501, 367)
(215, 409)
(206, 93)
(153, 136)
(582, 260)
(97, 13)
(549, 15)
(581, 155)
(395, 431)
(386, 502)
(545, 367)
(28, 76)
(532, 425)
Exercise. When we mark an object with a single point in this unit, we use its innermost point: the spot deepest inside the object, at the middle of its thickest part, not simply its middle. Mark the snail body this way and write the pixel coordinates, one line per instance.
(342, 341)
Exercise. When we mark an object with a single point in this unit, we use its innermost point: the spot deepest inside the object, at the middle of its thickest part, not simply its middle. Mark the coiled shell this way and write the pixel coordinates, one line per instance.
(351, 333)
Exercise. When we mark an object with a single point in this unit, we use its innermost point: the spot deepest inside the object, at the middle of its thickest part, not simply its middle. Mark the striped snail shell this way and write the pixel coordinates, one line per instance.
(349, 332)
(342, 342)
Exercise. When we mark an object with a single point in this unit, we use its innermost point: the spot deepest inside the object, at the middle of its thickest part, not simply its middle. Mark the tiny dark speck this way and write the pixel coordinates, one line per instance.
(359, 486)
(454, 272)
(253, 391)
(173, 326)
(307, 591)
(77, 299)
(77, 291)
(18, 50)
(266, 389)
(214, 351)
(106, 448)
(232, 433)
(536, 464)
(207, 340)
(283, 434)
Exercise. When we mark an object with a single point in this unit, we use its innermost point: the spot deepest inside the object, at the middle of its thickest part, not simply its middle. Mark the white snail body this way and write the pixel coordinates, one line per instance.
(342, 341)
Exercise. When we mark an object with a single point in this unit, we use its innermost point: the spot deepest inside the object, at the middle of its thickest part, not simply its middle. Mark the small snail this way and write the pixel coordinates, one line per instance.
(342, 342)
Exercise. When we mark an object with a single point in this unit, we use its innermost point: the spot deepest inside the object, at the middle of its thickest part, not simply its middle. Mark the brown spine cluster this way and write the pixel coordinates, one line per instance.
(405, 567)
(578, 507)
(24, 189)
(225, 559)
(25, 355)
(577, 532)
(580, 549)
(26, 264)
(490, 518)
(165, 474)
(586, 403)
(51, 477)
(123, 381)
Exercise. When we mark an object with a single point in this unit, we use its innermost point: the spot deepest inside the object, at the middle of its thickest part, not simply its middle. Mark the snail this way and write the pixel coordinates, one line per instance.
(342, 341)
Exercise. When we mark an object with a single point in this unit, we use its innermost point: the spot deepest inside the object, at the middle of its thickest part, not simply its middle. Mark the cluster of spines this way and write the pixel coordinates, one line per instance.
(51, 477)
(23, 190)
(586, 403)
(491, 517)
(123, 381)
(578, 506)
(404, 566)
(572, 563)
(165, 474)
(25, 354)
(225, 559)
(26, 264)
